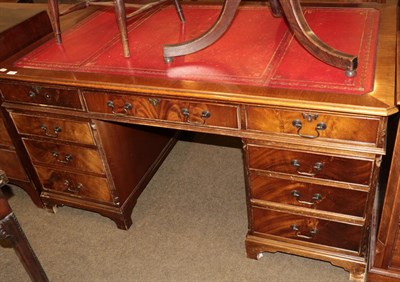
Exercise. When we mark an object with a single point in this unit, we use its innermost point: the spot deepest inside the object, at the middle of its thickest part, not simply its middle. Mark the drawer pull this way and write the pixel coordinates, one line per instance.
(56, 130)
(299, 125)
(48, 97)
(311, 235)
(318, 166)
(204, 115)
(315, 199)
(70, 187)
(34, 92)
(66, 159)
(154, 101)
(125, 109)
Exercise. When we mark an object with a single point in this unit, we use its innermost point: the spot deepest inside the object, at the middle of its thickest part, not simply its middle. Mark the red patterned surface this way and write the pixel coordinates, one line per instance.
(257, 49)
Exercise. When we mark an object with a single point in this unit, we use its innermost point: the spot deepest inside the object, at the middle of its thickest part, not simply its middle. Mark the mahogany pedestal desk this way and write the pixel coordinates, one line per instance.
(93, 138)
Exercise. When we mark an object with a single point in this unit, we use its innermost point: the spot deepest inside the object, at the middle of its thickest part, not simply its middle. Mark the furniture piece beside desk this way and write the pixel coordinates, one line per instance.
(292, 11)
(311, 158)
(384, 262)
(121, 16)
(11, 230)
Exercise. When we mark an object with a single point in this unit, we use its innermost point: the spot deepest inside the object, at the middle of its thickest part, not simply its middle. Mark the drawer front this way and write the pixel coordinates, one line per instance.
(312, 125)
(68, 130)
(73, 184)
(308, 195)
(65, 156)
(9, 162)
(65, 98)
(306, 229)
(187, 112)
(310, 165)
(4, 136)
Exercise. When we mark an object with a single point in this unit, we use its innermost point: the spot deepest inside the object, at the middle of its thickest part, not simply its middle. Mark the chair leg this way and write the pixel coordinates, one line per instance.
(209, 37)
(276, 8)
(120, 15)
(308, 39)
(55, 19)
(179, 10)
(10, 229)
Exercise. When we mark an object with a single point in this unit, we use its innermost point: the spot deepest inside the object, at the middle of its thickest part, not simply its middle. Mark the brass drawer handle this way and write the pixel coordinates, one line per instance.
(70, 187)
(298, 233)
(56, 131)
(315, 199)
(317, 167)
(309, 117)
(68, 157)
(127, 107)
(154, 101)
(32, 94)
(204, 115)
(35, 91)
(319, 127)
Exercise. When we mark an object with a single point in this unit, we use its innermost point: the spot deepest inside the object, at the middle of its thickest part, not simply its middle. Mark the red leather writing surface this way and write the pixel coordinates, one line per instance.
(257, 49)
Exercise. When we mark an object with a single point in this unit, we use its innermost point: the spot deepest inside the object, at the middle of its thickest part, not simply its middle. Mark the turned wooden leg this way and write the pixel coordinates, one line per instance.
(209, 37)
(276, 8)
(120, 15)
(308, 39)
(55, 19)
(11, 230)
(179, 10)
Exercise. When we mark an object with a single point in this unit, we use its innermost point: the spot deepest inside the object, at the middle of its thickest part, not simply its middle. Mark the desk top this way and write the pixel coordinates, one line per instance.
(378, 101)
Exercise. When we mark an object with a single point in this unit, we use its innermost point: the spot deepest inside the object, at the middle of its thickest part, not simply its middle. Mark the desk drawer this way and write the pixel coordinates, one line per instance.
(310, 165)
(77, 185)
(9, 162)
(308, 195)
(307, 229)
(65, 156)
(61, 129)
(181, 111)
(58, 97)
(313, 125)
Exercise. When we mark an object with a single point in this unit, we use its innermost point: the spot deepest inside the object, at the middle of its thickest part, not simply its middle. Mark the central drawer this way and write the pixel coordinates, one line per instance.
(65, 156)
(335, 168)
(181, 111)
